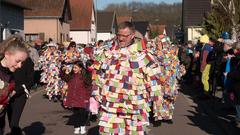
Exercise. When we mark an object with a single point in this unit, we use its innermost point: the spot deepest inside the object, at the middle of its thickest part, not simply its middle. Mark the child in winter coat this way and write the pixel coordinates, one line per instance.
(79, 91)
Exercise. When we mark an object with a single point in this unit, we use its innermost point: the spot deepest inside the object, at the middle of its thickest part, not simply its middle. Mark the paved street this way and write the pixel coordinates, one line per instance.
(42, 117)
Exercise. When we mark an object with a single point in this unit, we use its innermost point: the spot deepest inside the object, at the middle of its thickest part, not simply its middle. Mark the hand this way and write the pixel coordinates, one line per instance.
(67, 71)
(230, 56)
(13, 93)
(1, 108)
(97, 98)
(225, 74)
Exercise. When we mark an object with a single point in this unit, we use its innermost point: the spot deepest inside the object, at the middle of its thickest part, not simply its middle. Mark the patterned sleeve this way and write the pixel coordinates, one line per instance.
(154, 81)
(96, 76)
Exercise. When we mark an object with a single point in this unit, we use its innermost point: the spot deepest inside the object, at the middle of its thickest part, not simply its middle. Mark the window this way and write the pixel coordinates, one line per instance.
(31, 37)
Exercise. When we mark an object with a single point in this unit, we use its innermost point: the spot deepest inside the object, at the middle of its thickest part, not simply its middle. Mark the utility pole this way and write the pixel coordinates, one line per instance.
(96, 19)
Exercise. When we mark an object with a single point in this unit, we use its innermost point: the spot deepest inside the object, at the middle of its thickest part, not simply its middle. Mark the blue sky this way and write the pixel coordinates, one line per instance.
(103, 3)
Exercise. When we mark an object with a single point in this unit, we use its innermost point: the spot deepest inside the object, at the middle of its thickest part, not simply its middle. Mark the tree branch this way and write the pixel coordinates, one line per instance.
(220, 2)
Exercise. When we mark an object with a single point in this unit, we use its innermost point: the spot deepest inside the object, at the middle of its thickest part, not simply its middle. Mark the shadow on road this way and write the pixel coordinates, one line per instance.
(210, 108)
(93, 131)
(72, 119)
(36, 128)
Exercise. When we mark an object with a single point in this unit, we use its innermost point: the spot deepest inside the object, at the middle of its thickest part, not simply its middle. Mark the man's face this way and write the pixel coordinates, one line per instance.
(226, 47)
(125, 37)
(73, 48)
(52, 48)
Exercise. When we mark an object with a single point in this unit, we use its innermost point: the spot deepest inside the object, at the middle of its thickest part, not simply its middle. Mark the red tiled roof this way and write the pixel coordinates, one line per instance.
(105, 20)
(157, 27)
(81, 14)
(121, 19)
(44, 8)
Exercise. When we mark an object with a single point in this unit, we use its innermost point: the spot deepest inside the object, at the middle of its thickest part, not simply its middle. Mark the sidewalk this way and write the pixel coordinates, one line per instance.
(215, 109)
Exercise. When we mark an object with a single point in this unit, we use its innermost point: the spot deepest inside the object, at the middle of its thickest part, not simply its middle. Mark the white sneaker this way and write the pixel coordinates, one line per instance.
(77, 130)
(83, 130)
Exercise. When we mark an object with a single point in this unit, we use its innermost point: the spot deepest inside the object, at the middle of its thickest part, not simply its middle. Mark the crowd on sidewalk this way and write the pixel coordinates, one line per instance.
(125, 83)
(212, 65)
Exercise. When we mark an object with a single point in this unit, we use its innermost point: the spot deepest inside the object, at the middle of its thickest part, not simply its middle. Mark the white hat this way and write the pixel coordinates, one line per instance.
(228, 42)
(51, 44)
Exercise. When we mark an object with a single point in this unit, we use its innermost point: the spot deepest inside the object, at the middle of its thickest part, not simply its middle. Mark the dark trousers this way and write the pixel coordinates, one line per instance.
(37, 76)
(81, 117)
(2, 121)
(14, 111)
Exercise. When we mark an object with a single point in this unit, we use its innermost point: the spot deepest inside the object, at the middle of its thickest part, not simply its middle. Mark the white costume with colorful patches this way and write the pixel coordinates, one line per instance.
(50, 63)
(125, 82)
(169, 63)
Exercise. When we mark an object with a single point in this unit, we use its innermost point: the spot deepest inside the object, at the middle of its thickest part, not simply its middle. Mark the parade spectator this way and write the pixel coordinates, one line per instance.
(197, 64)
(13, 52)
(217, 65)
(229, 66)
(23, 76)
(34, 56)
(211, 59)
(234, 76)
(188, 62)
(79, 91)
(205, 68)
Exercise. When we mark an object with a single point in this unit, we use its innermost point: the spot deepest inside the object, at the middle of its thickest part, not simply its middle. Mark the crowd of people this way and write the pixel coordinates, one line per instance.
(213, 66)
(126, 83)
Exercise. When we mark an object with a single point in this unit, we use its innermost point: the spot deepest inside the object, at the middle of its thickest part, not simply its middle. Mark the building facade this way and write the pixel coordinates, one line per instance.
(83, 29)
(11, 18)
(193, 15)
(106, 25)
(44, 22)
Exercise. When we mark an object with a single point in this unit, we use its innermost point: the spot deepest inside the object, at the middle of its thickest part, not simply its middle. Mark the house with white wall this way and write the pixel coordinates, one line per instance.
(193, 15)
(83, 24)
(106, 25)
(43, 21)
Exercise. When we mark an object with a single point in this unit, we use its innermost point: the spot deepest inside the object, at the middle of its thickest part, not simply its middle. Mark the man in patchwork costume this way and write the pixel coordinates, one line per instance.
(169, 63)
(125, 82)
(50, 62)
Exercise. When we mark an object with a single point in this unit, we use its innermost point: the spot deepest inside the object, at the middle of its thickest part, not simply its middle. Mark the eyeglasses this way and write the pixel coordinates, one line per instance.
(120, 35)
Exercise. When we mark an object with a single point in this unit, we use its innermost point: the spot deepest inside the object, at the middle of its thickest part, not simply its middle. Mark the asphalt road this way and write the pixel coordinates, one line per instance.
(42, 117)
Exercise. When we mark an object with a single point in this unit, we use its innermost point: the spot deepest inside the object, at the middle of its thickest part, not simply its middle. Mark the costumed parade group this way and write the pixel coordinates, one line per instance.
(127, 82)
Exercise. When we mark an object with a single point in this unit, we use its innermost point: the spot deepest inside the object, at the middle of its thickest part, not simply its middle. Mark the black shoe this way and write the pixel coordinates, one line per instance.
(55, 99)
(93, 118)
(168, 121)
(16, 131)
(157, 123)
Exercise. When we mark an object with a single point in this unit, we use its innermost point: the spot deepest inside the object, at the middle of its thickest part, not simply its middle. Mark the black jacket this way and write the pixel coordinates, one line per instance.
(234, 76)
(24, 75)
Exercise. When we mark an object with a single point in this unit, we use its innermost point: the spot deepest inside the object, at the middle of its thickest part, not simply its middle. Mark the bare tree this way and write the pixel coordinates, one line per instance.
(231, 7)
